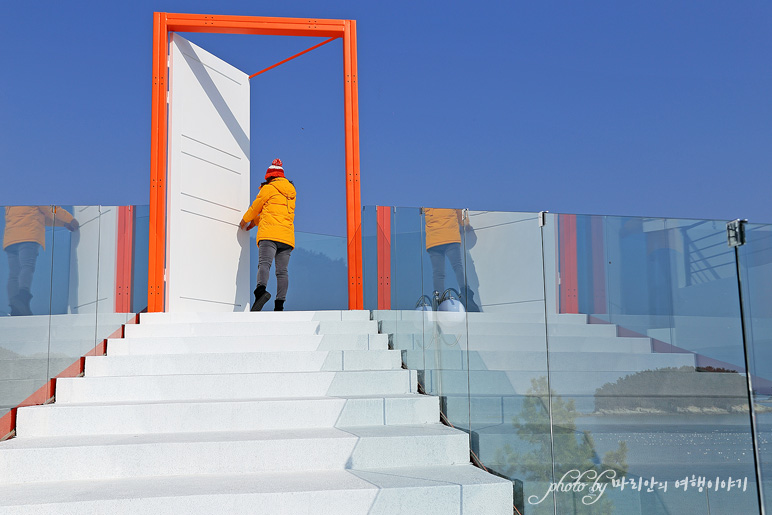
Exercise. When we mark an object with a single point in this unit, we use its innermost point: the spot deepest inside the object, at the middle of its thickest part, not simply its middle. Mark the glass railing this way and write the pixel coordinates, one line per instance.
(70, 277)
(755, 265)
(600, 361)
(318, 274)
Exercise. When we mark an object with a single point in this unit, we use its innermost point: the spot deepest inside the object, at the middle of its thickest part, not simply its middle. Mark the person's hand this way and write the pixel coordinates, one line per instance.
(73, 225)
(246, 226)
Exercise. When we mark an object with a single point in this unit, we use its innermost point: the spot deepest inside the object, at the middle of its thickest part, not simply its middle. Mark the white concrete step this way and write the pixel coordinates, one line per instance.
(73, 326)
(246, 343)
(39, 347)
(242, 363)
(252, 328)
(413, 316)
(31, 368)
(15, 391)
(233, 386)
(498, 328)
(566, 361)
(425, 491)
(260, 316)
(246, 415)
(509, 343)
(31, 460)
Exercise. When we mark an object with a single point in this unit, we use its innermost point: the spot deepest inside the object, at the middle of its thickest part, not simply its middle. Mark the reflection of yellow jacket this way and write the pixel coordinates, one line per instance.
(273, 211)
(28, 223)
(442, 226)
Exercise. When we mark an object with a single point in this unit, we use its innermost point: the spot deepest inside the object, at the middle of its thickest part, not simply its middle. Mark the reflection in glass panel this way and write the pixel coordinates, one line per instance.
(116, 267)
(445, 328)
(411, 309)
(631, 367)
(651, 383)
(409, 324)
(25, 285)
(756, 274)
(74, 285)
(318, 276)
(139, 260)
(370, 257)
(506, 343)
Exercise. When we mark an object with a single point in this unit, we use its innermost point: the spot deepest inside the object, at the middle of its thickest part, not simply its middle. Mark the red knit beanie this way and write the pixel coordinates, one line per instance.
(275, 170)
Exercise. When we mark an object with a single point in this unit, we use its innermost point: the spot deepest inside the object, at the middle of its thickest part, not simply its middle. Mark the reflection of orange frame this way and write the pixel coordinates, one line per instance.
(166, 22)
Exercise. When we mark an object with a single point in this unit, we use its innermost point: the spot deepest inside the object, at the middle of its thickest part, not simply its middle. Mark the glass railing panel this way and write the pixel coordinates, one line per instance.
(318, 276)
(74, 285)
(756, 275)
(506, 352)
(662, 278)
(445, 266)
(139, 260)
(410, 327)
(116, 254)
(650, 385)
(25, 286)
(407, 258)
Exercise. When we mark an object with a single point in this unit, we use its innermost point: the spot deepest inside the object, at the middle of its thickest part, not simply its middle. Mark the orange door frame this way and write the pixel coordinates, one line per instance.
(163, 23)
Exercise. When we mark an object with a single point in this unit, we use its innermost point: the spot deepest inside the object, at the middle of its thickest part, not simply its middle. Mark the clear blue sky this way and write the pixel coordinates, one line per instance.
(656, 108)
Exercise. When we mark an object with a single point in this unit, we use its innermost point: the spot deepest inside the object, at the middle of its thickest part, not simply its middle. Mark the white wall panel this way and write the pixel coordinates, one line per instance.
(207, 267)
(506, 262)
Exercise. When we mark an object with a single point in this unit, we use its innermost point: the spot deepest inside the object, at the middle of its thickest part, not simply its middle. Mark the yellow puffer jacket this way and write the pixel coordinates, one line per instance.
(273, 212)
(28, 223)
(442, 226)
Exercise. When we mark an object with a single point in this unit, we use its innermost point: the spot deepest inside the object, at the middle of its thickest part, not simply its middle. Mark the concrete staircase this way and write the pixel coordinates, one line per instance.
(295, 412)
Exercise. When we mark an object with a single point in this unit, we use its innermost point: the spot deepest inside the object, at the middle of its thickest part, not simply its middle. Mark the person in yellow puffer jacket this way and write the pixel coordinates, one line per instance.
(273, 212)
(25, 234)
(443, 240)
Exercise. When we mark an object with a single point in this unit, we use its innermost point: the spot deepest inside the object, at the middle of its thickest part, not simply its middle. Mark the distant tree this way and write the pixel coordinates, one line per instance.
(572, 449)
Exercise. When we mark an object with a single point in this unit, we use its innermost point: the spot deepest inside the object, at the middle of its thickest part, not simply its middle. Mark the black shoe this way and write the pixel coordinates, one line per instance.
(278, 305)
(20, 303)
(261, 297)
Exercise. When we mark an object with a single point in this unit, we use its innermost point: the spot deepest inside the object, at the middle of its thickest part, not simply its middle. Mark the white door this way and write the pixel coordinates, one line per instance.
(207, 256)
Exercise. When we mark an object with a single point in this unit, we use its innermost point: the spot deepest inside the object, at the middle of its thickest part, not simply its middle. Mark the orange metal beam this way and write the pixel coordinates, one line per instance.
(165, 22)
(262, 29)
(157, 230)
(293, 57)
(353, 202)
(263, 25)
(357, 212)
